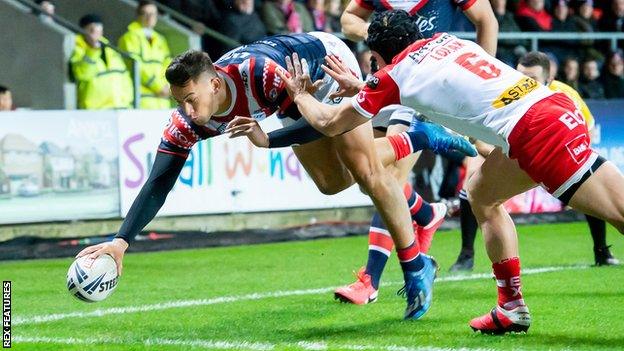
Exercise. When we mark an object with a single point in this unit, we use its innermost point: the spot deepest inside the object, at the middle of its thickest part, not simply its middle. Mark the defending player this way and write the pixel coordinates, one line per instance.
(431, 16)
(540, 138)
(245, 82)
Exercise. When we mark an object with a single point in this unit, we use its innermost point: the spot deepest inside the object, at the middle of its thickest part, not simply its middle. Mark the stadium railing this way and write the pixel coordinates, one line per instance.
(536, 38)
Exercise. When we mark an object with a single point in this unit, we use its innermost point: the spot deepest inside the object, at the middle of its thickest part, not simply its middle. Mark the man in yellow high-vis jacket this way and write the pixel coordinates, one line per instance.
(152, 51)
(100, 73)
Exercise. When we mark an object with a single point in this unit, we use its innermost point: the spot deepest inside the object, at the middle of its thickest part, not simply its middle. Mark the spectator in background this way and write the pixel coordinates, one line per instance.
(571, 72)
(99, 71)
(286, 16)
(614, 76)
(584, 16)
(319, 19)
(562, 22)
(532, 17)
(508, 50)
(613, 21)
(151, 49)
(6, 99)
(334, 11)
(242, 23)
(590, 86)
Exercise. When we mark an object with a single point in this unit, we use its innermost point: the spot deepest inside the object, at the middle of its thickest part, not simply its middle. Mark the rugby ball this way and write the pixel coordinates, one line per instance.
(92, 280)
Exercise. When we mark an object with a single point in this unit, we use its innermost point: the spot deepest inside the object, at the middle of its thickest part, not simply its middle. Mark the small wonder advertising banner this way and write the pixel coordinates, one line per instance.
(58, 165)
(221, 175)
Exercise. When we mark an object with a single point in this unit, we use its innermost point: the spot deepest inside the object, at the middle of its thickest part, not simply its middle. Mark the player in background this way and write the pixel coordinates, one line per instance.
(431, 16)
(540, 138)
(537, 66)
(213, 98)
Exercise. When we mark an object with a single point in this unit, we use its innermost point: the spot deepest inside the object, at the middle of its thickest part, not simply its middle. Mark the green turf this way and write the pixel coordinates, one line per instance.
(571, 309)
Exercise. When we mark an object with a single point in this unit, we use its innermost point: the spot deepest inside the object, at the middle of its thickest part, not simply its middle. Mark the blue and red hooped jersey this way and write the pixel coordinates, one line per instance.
(433, 16)
(257, 90)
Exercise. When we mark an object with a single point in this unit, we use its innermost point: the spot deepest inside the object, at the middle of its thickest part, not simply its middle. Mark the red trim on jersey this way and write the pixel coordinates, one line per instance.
(363, 4)
(172, 153)
(468, 4)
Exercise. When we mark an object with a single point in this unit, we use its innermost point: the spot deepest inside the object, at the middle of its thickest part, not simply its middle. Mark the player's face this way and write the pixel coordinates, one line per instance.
(198, 98)
(535, 72)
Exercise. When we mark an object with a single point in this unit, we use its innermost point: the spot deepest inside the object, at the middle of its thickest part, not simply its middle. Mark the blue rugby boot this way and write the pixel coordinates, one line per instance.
(418, 289)
(426, 135)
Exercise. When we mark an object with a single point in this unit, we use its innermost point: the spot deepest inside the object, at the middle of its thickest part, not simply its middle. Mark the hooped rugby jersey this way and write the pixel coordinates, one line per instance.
(433, 16)
(257, 90)
(457, 84)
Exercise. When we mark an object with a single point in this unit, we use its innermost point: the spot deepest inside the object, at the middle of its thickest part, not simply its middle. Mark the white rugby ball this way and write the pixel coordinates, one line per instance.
(92, 280)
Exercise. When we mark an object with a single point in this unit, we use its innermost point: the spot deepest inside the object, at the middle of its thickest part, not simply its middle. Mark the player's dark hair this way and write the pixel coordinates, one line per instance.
(390, 32)
(189, 66)
(536, 58)
(143, 3)
(3, 89)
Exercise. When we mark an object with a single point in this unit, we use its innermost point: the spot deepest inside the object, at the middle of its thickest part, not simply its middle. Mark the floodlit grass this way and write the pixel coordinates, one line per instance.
(574, 308)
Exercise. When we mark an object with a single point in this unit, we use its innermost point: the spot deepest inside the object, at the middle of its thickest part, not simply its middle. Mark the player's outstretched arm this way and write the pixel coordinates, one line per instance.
(298, 133)
(486, 25)
(163, 176)
(354, 21)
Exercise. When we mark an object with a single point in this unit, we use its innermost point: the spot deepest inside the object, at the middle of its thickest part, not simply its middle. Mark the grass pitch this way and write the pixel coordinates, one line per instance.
(279, 297)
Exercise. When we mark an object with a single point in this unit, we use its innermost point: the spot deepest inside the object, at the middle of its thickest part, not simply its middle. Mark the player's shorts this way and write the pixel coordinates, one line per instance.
(333, 46)
(392, 115)
(552, 144)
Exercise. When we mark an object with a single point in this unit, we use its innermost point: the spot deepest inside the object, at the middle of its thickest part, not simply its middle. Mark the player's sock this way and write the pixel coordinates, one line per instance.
(380, 246)
(410, 258)
(405, 144)
(507, 274)
(420, 210)
(468, 224)
(598, 230)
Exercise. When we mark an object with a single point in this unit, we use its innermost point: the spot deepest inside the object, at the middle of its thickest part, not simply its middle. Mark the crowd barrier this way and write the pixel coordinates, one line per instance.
(74, 165)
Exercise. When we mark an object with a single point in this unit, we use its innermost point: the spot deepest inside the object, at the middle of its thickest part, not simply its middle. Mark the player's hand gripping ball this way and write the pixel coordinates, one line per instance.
(92, 280)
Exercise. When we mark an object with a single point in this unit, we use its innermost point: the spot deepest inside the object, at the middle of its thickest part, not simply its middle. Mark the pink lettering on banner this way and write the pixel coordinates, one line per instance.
(134, 183)
(239, 159)
(293, 166)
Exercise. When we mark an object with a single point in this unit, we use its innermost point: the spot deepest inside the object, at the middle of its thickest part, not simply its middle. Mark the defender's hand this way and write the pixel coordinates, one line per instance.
(349, 84)
(115, 248)
(247, 126)
(298, 79)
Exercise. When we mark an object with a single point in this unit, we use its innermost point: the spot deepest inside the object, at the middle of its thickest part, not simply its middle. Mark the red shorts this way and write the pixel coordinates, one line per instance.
(552, 144)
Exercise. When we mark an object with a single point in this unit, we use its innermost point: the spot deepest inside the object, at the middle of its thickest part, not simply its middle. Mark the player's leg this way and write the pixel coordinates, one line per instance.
(598, 231)
(467, 220)
(356, 149)
(321, 161)
(602, 195)
(498, 179)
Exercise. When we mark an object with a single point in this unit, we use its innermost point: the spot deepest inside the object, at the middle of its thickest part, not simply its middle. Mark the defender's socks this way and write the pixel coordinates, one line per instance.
(410, 258)
(468, 224)
(380, 246)
(420, 210)
(405, 144)
(507, 273)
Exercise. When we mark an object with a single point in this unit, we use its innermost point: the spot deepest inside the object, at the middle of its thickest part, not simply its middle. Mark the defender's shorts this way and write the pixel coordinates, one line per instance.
(552, 144)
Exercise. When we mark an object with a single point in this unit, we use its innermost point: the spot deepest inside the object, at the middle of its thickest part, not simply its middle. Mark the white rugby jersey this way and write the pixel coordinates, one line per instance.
(454, 83)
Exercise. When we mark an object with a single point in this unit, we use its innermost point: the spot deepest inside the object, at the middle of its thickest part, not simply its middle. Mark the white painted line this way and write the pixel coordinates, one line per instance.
(230, 345)
(250, 297)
